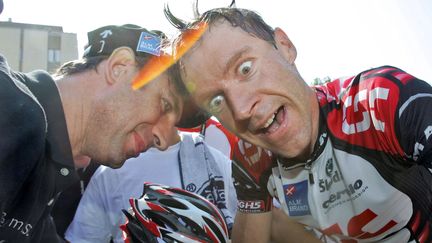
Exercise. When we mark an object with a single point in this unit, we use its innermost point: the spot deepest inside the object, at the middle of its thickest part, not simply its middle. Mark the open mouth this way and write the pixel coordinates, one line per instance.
(274, 122)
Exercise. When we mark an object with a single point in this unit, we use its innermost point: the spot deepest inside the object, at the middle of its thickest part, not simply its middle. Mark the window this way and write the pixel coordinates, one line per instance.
(53, 56)
(54, 49)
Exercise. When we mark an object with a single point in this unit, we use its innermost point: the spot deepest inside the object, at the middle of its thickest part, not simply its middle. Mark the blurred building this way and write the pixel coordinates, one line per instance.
(29, 46)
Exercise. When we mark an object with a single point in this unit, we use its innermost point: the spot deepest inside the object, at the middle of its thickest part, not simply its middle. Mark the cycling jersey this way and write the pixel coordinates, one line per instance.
(369, 178)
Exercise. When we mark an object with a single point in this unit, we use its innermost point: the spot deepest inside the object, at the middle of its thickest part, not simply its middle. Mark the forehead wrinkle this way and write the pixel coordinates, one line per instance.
(234, 58)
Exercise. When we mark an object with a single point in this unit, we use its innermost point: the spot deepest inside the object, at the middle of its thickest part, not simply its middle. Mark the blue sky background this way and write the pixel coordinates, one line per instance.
(333, 37)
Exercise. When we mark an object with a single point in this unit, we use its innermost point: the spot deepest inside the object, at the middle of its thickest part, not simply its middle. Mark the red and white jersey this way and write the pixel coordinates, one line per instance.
(216, 136)
(370, 177)
(229, 144)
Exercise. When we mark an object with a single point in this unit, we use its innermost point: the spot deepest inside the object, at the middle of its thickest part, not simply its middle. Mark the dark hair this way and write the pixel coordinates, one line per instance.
(248, 20)
(90, 63)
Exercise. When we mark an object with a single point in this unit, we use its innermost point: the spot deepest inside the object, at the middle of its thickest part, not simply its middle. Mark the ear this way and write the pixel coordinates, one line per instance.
(284, 44)
(120, 62)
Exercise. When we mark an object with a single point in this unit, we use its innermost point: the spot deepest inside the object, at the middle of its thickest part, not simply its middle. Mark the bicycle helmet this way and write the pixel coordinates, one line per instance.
(172, 215)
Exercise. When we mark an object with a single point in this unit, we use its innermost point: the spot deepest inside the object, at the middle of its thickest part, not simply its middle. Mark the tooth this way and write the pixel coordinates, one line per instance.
(269, 121)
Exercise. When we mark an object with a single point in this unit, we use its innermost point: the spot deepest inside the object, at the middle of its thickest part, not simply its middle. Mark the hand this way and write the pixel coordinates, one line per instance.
(251, 169)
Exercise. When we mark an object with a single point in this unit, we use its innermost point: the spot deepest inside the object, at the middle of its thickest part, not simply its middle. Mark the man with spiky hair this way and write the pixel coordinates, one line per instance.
(353, 157)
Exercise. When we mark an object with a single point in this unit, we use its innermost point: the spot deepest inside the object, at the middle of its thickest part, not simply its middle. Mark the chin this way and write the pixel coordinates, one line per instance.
(81, 161)
(292, 150)
(115, 165)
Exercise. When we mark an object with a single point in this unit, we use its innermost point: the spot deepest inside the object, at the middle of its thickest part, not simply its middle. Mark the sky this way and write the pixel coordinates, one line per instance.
(333, 38)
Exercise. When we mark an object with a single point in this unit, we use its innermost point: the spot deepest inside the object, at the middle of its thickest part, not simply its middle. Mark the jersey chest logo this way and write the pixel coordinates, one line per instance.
(366, 113)
(368, 117)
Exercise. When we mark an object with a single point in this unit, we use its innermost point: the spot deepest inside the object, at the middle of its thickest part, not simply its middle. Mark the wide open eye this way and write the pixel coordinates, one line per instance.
(245, 67)
(215, 105)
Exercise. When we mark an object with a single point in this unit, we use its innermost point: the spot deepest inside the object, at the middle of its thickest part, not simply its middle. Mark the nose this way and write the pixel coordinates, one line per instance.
(159, 140)
(163, 132)
(242, 102)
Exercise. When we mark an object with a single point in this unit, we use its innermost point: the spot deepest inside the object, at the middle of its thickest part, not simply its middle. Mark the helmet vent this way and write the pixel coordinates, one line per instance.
(172, 203)
(199, 205)
(160, 220)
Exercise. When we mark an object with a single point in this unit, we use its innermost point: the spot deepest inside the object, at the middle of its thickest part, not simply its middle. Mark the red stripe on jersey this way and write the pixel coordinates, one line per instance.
(379, 71)
(424, 235)
(403, 77)
(416, 222)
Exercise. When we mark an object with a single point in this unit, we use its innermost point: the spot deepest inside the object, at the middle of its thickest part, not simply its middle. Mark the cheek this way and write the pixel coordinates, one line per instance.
(228, 122)
(146, 110)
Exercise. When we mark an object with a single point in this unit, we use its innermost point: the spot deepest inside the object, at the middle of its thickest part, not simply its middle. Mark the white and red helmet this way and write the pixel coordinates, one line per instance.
(173, 215)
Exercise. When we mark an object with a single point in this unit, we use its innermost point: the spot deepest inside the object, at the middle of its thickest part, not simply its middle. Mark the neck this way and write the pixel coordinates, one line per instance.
(76, 95)
(312, 150)
(316, 123)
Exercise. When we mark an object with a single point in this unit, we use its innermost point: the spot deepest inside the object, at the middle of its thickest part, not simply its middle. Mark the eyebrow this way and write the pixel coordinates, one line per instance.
(233, 59)
(175, 96)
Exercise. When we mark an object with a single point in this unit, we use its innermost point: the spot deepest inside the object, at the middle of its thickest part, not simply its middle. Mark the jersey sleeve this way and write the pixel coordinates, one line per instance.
(383, 109)
(251, 169)
(415, 119)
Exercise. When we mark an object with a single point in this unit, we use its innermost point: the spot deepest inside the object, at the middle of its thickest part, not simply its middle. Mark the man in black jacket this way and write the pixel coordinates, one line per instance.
(49, 126)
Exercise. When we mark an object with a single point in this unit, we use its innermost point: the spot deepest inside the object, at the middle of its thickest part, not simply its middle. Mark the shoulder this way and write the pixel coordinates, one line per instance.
(23, 128)
(368, 79)
(191, 136)
(16, 95)
(364, 109)
(4, 66)
(103, 172)
(385, 83)
(104, 177)
(220, 158)
(23, 120)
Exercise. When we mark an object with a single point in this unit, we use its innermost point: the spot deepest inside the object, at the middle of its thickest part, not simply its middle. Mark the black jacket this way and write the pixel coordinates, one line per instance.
(35, 155)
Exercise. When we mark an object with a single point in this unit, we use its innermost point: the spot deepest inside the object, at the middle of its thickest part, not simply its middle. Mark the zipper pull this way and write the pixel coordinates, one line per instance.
(308, 167)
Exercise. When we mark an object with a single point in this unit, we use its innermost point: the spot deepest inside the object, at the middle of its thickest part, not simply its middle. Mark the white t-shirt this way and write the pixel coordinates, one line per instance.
(99, 215)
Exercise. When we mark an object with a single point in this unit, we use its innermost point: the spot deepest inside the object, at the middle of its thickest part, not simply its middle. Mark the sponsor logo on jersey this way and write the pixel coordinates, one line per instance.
(329, 167)
(350, 193)
(296, 198)
(250, 206)
(369, 98)
(338, 197)
(15, 224)
(333, 176)
(418, 147)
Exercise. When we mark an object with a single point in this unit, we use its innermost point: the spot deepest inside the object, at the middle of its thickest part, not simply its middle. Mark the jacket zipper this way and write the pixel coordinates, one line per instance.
(308, 167)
